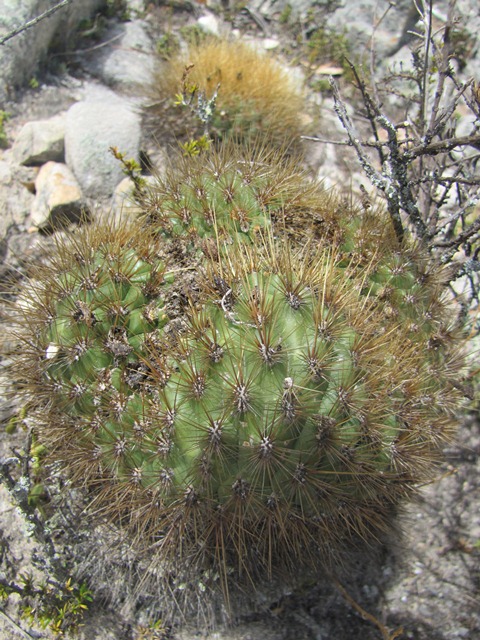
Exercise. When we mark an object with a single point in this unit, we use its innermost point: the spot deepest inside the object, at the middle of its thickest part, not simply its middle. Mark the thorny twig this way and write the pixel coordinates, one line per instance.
(34, 21)
(423, 167)
(19, 490)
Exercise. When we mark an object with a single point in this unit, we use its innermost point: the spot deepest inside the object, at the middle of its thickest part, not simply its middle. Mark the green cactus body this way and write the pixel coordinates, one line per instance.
(306, 392)
(93, 313)
(285, 419)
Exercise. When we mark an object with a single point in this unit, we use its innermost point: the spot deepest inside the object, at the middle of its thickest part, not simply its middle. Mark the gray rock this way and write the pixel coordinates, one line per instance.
(40, 141)
(15, 197)
(126, 59)
(21, 56)
(58, 196)
(92, 127)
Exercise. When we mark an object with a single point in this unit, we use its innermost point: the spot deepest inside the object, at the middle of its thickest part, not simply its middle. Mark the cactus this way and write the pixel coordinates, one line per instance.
(87, 317)
(279, 414)
(234, 195)
(257, 99)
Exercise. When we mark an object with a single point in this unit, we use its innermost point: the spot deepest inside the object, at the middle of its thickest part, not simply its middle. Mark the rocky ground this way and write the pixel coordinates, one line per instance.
(425, 584)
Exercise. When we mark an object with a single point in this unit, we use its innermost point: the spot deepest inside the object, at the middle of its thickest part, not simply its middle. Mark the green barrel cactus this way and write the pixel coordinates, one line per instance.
(279, 414)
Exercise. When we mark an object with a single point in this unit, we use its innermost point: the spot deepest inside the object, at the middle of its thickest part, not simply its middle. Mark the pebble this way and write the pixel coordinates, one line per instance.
(270, 43)
(209, 23)
(58, 196)
(40, 141)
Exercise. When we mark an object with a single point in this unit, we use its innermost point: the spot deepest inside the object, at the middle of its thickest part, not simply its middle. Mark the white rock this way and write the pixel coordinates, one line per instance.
(209, 23)
(58, 196)
(40, 141)
(270, 43)
(92, 127)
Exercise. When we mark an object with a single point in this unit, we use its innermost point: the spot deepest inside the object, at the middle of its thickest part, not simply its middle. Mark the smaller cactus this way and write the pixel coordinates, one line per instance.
(86, 319)
(257, 99)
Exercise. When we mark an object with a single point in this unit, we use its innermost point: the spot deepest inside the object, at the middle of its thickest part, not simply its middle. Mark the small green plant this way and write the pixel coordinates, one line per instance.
(195, 147)
(132, 169)
(4, 116)
(117, 8)
(152, 631)
(59, 607)
(326, 45)
(167, 46)
(322, 85)
(194, 35)
(286, 14)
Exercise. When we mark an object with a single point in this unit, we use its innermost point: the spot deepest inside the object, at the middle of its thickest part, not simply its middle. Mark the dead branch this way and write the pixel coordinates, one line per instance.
(425, 170)
(34, 21)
